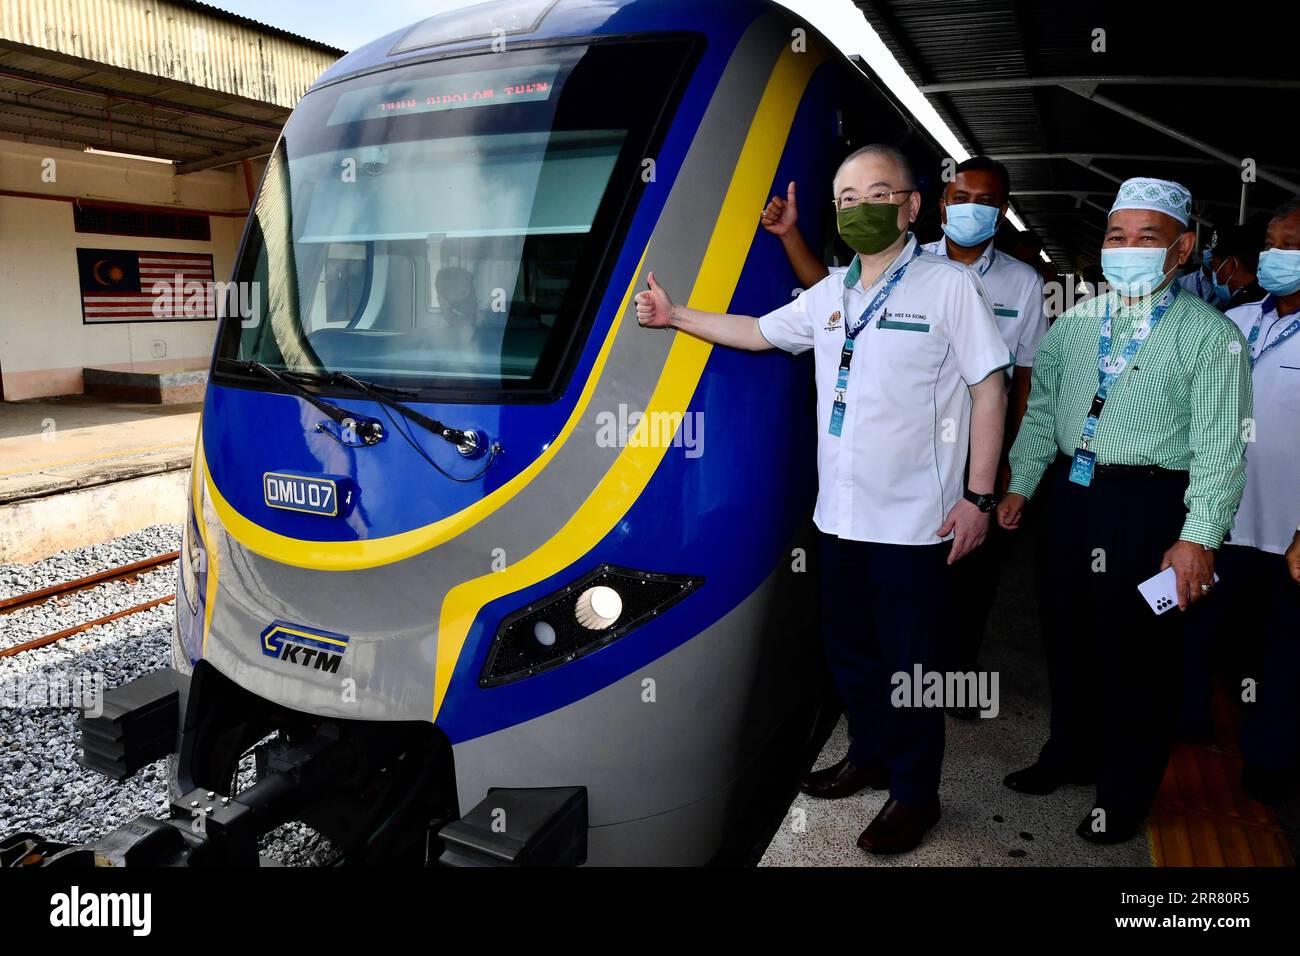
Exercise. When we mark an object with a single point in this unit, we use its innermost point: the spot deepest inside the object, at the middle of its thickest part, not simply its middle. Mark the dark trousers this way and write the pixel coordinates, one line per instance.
(975, 581)
(882, 611)
(1252, 623)
(1114, 666)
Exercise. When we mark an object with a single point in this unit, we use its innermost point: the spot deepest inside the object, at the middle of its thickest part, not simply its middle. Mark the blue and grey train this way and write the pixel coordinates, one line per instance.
(476, 569)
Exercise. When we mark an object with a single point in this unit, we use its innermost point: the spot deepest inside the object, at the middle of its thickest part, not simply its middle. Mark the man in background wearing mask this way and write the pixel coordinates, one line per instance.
(1136, 417)
(908, 365)
(1231, 279)
(1259, 597)
(971, 209)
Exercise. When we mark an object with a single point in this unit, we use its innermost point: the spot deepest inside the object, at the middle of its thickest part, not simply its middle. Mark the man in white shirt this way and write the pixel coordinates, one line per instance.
(908, 365)
(1258, 594)
(973, 206)
(1227, 278)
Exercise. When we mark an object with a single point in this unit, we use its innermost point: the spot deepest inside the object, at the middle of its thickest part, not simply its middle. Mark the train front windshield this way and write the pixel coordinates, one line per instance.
(442, 226)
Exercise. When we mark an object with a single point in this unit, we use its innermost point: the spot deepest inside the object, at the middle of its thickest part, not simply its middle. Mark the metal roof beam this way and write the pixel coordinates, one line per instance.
(226, 159)
(1079, 193)
(111, 124)
(72, 86)
(1015, 83)
(1093, 96)
(70, 134)
(1126, 157)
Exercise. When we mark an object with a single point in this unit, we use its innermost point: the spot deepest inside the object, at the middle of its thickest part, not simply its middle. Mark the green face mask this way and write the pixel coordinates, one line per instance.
(869, 227)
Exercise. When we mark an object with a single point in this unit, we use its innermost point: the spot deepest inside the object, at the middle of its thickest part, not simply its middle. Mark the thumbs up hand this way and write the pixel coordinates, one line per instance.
(654, 309)
(781, 215)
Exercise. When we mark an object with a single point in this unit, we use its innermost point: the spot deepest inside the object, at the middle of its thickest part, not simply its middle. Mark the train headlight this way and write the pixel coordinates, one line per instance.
(544, 633)
(598, 607)
(583, 617)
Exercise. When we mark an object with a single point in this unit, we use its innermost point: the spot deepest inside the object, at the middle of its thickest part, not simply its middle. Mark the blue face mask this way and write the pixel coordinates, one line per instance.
(970, 223)
(1222, 293)
(1134, 272)
(1279, 271)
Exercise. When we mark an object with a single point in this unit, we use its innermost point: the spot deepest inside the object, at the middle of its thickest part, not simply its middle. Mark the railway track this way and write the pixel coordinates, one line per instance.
(126, 572)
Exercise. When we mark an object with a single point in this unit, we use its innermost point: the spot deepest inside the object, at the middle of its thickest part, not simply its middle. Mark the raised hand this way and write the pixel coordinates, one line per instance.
(654, 309)
(780, 216)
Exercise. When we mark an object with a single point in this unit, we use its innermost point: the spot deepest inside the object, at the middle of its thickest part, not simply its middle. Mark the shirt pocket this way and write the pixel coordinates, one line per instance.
(1288, 386)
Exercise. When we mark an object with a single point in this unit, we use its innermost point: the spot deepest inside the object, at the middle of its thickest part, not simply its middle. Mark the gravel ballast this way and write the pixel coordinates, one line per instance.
(42, 788)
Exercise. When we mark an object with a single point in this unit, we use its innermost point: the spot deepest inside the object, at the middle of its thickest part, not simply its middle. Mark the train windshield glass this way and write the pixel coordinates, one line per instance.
(442, 226)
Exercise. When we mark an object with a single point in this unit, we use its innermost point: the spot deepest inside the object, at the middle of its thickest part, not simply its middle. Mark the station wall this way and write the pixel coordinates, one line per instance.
(44, 342)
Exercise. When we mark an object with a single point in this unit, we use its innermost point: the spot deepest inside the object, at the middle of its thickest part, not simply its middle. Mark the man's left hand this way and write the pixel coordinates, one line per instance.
(971, 525)
(1293, 558)
(1194, 570)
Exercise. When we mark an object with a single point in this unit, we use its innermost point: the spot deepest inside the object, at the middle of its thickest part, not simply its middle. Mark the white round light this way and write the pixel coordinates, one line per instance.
(598, 607)
(544, 633)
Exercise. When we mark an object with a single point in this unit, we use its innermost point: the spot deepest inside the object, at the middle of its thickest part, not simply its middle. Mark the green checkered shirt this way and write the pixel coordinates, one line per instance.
(1182, 403)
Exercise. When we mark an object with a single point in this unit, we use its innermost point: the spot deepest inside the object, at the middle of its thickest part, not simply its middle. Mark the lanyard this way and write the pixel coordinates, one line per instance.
(879, 300)
(1268, 307)
(851, 334)
(1109, 369)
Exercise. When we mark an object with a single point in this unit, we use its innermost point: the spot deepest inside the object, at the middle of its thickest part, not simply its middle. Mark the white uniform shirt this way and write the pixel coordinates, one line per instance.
(1270, 507)
(1198, 285)
(1017, 293)
(897, 468)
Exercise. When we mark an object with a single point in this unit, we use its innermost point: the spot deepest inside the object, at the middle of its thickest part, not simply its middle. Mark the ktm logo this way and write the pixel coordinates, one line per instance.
(305, 646)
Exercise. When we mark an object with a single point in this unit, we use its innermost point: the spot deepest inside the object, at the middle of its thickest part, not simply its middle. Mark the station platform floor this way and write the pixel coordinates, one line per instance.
(79, 470)
(60, 444)
(1201, 816)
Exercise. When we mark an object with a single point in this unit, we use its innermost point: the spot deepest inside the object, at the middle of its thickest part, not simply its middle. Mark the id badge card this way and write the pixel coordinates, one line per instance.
(837, 418)
(1082, 467)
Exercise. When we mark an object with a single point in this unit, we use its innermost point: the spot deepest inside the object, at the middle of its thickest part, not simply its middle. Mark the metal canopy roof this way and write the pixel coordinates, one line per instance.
(50, 101)
(1180, 92)
(175, 79)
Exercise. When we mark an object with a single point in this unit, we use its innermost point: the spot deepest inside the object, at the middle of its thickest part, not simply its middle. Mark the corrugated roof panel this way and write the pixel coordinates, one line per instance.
(180, 42)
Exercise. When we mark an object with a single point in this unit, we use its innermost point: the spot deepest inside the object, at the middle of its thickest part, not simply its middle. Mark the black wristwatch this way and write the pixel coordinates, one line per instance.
(985, 503)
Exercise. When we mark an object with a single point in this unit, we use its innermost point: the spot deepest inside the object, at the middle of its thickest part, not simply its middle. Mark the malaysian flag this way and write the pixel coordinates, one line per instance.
(120, 285)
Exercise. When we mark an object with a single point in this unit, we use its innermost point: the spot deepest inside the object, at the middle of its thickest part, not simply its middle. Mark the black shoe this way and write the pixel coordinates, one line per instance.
(1106, 830)
(1040, 781)
(963, 713)
(1266, 784)
(899, 827)
(843, 780)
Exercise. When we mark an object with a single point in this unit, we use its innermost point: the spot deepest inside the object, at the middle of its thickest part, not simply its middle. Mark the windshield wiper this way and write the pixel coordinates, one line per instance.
(369, 430)
(468, 443)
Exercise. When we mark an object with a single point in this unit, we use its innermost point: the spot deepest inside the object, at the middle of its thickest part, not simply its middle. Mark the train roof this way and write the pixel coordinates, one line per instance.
(542, 20)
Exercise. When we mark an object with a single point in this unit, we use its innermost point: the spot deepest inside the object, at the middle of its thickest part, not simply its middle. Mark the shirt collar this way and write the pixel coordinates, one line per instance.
(1143, 306)
(980, 265)
(855, 267)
